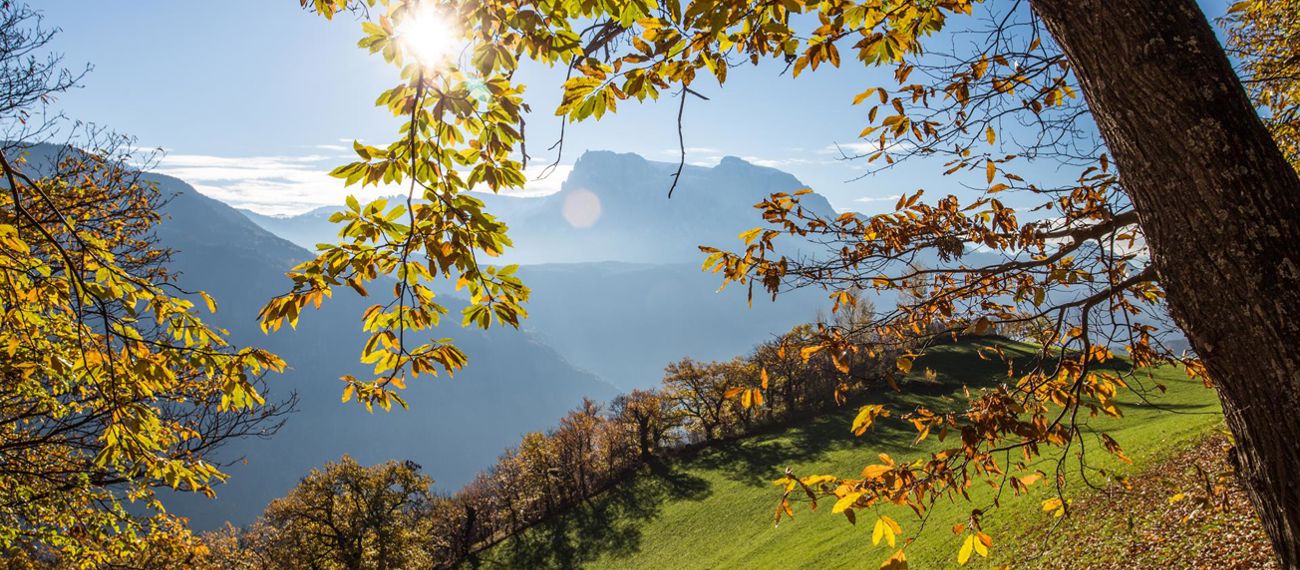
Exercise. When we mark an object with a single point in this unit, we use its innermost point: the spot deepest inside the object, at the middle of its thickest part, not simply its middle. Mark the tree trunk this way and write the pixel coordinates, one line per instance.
(1220, 208)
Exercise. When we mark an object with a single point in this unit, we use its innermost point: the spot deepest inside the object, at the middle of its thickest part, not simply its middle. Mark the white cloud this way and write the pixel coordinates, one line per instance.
(691, 150)
(782, 162)
(541, 186)
(890, 198)
(265, 184)
(709, 157)
(851, 149)
(281, 185)
(855, 149)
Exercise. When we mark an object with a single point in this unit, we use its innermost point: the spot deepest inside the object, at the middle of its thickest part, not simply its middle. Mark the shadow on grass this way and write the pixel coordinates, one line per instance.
(606, 525)
(761, 457)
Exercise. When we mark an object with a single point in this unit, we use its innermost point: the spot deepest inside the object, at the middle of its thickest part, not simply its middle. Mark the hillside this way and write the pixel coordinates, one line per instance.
(713, 510)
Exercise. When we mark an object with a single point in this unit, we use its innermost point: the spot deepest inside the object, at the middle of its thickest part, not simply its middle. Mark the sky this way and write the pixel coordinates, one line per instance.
(254, 101)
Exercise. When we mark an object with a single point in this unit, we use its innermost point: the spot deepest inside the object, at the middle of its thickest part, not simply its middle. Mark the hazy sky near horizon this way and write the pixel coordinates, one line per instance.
(255, 100)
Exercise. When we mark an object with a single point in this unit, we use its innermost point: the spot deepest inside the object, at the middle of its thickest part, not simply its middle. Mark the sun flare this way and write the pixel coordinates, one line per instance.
(429, 36)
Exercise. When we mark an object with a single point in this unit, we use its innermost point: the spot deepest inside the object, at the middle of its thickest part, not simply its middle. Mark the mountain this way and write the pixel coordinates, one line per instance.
(456, 426)
(614, 263)
(613, 207)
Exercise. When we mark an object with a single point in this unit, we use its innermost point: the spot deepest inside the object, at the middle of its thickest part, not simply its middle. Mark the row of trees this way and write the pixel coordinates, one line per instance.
(386, 516)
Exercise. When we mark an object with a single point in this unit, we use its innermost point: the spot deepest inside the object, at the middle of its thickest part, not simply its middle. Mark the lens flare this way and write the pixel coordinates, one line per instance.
(428, 35)
(581, 209)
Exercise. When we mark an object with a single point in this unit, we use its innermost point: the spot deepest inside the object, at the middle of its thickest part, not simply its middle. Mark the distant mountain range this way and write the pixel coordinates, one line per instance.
(623, 295)
(612, 207)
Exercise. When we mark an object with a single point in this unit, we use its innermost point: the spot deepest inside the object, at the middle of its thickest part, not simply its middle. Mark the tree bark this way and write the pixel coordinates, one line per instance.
(1220, 208)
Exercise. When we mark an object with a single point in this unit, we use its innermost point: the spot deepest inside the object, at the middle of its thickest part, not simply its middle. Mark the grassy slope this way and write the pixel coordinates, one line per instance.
(714, 510)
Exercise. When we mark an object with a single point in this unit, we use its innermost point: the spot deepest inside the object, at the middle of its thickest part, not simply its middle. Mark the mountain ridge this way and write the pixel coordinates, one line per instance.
(612, 207)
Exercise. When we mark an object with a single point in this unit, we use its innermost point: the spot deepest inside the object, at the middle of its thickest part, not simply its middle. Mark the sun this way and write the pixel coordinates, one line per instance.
(429, 36)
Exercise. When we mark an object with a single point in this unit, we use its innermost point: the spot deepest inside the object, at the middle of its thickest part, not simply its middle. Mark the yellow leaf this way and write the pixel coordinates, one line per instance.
(875, 471)
(892, 524)
(990, 135)
(982, 543)
(808, 351)
(1054, 506)
(212, 304)
(963, 555)
(846, 502)
(839, 364)
(817, 479)
(863, 95)
(878, 532)
(904, 364)
(888, 529)
(896, 562)
(1177, 497)
(990, 171)
(762, 374)
(866, 417)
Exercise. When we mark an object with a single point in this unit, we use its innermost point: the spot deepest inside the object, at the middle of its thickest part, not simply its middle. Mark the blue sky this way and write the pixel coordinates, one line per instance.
(254, 100)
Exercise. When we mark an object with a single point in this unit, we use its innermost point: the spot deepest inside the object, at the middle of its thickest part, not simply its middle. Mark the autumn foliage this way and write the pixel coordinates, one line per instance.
(112, 386)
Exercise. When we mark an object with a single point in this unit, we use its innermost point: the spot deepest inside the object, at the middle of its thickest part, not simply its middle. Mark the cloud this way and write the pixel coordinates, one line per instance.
(537, 185)
(890, 198)
(285, 185)
(709, 157)
(691, 150)
(265, 184)
(855, 149)
(851, 149)
(782, 162)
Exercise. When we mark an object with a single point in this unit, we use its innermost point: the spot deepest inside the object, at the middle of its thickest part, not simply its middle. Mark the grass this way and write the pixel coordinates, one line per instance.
(714, 510)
